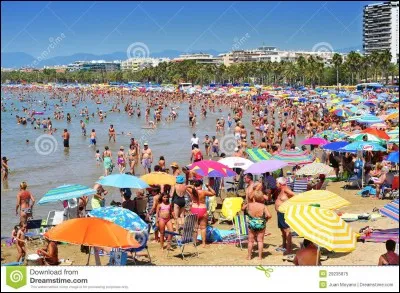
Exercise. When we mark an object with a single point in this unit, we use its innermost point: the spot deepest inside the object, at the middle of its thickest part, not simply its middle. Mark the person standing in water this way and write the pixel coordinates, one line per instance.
(66, 138)
(111, 133)
(107, 161)
(146, 158)
(93, 138)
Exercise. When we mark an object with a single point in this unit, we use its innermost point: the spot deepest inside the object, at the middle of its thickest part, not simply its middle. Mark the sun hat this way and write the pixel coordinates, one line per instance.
(281, 181)
(175, 165)
(180, 179)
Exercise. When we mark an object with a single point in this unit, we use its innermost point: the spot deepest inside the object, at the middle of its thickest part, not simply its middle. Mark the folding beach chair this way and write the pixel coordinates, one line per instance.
(241, 229)
(134, 251)
(300, 185)
(54, 218)
(34, 228)
(230, 207)
(187, 234)
(354, 178)
(118, 257)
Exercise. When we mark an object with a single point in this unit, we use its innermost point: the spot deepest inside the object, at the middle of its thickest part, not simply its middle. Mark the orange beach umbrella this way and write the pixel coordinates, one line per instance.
(92, 232)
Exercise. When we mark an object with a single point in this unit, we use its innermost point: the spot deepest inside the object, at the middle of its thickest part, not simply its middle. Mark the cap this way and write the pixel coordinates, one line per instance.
(121, 147)
(175, 165)
(180, 179)
(146, 143)
(236, 149)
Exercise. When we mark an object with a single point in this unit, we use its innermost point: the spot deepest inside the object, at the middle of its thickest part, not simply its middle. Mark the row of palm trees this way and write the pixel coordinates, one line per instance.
(305, 71)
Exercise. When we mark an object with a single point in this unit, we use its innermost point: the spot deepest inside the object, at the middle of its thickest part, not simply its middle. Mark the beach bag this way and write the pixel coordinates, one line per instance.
(213, 235)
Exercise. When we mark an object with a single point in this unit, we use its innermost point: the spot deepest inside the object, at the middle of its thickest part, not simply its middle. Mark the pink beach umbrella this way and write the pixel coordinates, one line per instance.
(314, 141)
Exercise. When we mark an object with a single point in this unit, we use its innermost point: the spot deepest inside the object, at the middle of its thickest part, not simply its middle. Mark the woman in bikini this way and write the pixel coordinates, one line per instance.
(164, 214)
(199, 208)
(133, 156)
(258, 215)
(25, 202)
(207, 145)
(121, 160)
(178, 194)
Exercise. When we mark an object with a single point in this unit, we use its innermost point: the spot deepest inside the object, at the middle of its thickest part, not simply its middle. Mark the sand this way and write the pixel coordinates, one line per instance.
(228, 254)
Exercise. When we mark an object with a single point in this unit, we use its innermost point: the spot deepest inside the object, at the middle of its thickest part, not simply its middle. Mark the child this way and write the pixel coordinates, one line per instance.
(93, 138)
(164, 214)
(20, 240)
(98, 157)
(4, 168)
(14, 234)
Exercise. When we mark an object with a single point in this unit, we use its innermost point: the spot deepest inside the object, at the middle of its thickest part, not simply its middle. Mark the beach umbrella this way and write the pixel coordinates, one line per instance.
(335, 146)
(378, 133)
(394, 139)
(363, 146)
(125, 219)
(236, 162)
(324, 198)
(393, 157)
(314, 141)
(391, 210)
(379, 125)
(66, 192)
(159, 178)
(331, 134)
(393, 131)
(314, 169)
(211, 169)
(321, 226)
(123, 181)
(258, 155)
(92, 232)
(262, 167)
(342, 112)
(370, 137)
(293, 157)
(371, 119)
(393, 116)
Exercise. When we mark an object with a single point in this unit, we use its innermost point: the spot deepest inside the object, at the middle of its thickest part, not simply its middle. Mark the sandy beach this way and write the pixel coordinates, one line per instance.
(228, 254)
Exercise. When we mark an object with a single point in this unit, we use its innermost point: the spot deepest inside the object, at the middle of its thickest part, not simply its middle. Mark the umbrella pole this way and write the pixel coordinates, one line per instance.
(318, 252)
(90, 248)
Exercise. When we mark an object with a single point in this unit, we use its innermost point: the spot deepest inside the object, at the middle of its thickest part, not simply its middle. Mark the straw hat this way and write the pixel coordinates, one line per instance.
(174, 165)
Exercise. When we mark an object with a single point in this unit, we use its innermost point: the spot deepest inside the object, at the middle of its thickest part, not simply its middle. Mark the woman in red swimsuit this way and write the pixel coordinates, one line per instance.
(199, 207)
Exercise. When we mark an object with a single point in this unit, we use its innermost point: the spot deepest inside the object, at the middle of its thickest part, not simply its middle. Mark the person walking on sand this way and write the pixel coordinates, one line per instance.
(258, 215)
(25, 202)
(20, 242)
(284, 194)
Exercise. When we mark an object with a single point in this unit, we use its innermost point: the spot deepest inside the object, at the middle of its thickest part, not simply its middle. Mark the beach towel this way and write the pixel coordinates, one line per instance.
(367, 191)
(381, 236)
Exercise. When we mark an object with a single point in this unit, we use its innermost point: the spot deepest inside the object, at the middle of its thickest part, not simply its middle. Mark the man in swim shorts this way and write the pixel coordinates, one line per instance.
(146, 158)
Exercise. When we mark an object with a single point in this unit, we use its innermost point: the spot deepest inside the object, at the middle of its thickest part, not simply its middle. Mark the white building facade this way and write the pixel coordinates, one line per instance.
(381, 28)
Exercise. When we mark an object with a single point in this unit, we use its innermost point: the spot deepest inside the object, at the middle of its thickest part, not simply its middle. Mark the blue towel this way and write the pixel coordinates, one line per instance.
(368, 190)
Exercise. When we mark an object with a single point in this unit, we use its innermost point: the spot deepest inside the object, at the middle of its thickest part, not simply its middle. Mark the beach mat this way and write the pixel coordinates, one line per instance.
(381, 236)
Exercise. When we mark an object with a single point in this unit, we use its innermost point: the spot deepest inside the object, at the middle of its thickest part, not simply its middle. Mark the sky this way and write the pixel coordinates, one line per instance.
(107, 27)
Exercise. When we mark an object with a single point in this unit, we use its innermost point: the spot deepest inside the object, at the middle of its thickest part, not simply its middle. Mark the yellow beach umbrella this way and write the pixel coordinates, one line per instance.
(159, 178)
(325, 199)
(321, 226)
(393, 116)
(335, 101)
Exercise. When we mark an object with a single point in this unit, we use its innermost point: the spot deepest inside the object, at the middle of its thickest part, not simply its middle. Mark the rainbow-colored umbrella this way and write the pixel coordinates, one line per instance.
(258, 155)
(293, 157)
(342, 112)
(211, 169)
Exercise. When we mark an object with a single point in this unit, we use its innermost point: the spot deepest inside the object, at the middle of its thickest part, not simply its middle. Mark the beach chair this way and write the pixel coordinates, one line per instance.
(34, 228)
(231, 206)
(54, 218)
(300, 185)
(187, 234)
(134, 251)
(118, 257)
(354, 178)
(393, 191)
(241, 229)
(72, 208)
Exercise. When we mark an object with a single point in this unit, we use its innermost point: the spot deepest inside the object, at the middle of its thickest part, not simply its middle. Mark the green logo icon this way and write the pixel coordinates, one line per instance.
(323, 274)
(267, 271)
(323, 284)
(16, 277)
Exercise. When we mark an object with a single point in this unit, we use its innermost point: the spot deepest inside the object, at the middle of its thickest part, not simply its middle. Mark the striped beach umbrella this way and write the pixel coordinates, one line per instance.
(293, 157)
(363, 146)
(257, 155)
(393, 131)
(325, 199)
(394, 139)
(331, 134)
(391, 210)
(370, 137)
(370, 119)
(66, 192)
(321, 226)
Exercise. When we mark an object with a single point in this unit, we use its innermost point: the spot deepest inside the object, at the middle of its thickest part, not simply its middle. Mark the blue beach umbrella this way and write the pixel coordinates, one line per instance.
(66, 192)
(370, 119)
(393, 157)
(123, 181)
(335, 146)
(391, 210)
(363, 146)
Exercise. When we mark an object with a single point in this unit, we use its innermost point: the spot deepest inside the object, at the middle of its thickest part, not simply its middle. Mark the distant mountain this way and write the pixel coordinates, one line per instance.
(19, 59)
